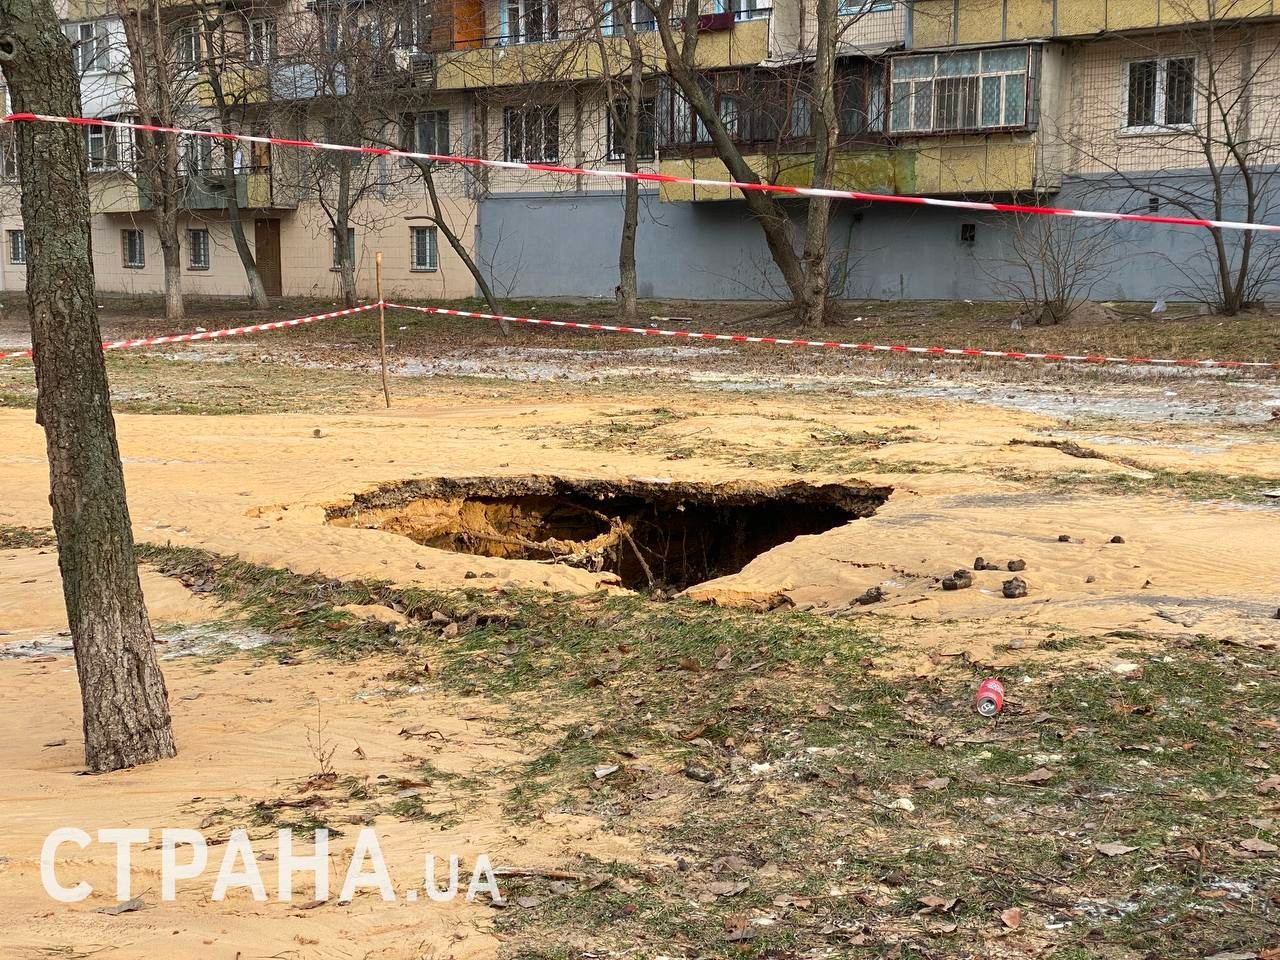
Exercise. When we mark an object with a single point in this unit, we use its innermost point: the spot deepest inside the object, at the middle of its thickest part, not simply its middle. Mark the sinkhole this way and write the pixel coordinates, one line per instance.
(654, 534)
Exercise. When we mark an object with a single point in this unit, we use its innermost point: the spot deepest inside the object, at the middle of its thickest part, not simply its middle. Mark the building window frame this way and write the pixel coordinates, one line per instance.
(647, 138)
(424, 250)
(643, 20)
(860, 8)
(133, 248)
(925, 87)
(199, 255)
(90, 46)
(531, 134)
(351, 247)
(531, 21)
(425, 132)
(1165, 66)
(261, 38)
(17, 246)
(188, 47)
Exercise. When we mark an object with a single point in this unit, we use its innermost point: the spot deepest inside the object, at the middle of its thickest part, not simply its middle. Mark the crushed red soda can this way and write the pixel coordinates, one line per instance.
(989, 699)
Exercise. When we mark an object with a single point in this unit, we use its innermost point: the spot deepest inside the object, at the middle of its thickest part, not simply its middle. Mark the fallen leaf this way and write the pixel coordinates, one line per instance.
(1114, 849)
(605, 771)
(935, 904)
(1255, 845)
(727, 888)
(1011, 918)
(1038, 775)
(936, 783)
(129, 906)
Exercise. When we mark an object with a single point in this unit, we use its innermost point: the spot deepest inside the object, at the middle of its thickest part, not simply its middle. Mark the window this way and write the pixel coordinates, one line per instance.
(860, 99)
(195, 156)
(132, 249)
(856, 8)
(187, 47)
(531, 21)
(1161, 93)
(260, 40)
(414, 26)
(351, 247)
(8, 153)
(750, 9)
(198, 247)
(642, 18)
(964, 90)
(426, 132)
(17, 246)
(90, 43)
(532, 134)
(618, 131)
(100, 147)
(423, 255)
(968, 233)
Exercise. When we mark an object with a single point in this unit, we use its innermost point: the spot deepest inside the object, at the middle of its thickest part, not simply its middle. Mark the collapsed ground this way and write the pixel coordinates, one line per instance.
(762, 767)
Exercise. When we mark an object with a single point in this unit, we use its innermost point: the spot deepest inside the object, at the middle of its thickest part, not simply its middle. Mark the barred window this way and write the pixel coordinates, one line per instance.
(17, 246)
(198, 248)
(132, 249)
(424, 255)
(1161, 93)
(963, 90)
(532, 134)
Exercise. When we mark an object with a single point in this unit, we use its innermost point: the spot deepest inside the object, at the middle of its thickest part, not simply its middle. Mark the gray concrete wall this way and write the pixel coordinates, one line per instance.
(567, 245)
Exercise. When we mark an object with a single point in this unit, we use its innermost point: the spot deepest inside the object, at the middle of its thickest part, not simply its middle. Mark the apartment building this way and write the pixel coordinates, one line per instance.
(1133, 105)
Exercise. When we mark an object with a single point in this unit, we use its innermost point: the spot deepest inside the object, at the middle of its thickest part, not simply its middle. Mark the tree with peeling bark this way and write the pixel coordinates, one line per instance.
(126, 709)
(158, 88)
(796, 103)
(232, 102)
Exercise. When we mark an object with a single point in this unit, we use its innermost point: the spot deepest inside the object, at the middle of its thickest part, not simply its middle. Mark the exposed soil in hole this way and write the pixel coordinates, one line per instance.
(650, 533)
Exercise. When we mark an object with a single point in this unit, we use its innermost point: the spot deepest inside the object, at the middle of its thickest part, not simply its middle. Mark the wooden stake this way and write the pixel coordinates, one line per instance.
(382, 326)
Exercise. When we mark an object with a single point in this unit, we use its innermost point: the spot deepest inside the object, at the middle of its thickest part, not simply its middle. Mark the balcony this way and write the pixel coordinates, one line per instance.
(255, 189)
(725, 40)
(990, 166)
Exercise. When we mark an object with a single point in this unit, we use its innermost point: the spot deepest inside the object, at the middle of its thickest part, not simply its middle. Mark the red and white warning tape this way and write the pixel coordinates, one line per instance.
(986, 206)
(213, 334)
(836, 345)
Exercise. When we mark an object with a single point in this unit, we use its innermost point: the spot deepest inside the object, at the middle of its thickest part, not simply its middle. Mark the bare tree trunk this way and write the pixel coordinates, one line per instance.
(257, 291)
(826, 131)
(213, 23)
(171, 253)
(341, 220)
(126, 711)
(150, 70)
(441, 223)
(763, 207)
(631, 188)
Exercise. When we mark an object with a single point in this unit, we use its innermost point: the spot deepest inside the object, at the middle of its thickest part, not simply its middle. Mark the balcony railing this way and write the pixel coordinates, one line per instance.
(254, 188)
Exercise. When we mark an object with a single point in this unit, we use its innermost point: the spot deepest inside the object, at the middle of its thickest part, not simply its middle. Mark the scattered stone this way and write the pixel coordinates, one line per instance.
(1090, 579)
(869, 596)
(1064, 538)
(1016, 565)
(1117, 539)
(1277, 616)
(317, 433)
(696, 772)
(959, 580)
(981, 563)
(469, 575)
(1017, 643)
(1014, 588)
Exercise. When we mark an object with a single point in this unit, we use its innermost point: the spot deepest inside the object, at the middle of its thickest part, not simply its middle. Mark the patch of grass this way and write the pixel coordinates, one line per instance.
(841, 800)
(25, 538)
